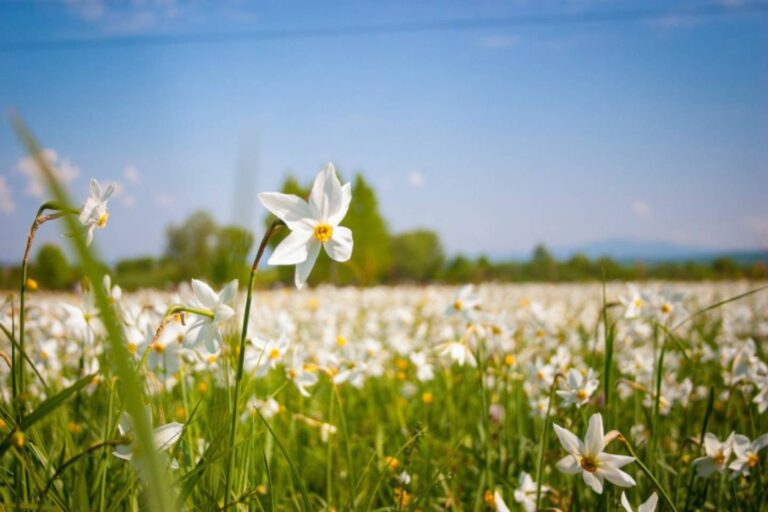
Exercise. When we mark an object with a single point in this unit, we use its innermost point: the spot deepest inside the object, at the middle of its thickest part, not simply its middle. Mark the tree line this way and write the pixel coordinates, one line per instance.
(199, 247)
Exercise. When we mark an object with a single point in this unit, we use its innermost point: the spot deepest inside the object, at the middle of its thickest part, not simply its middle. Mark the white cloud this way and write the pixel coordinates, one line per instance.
(164, 200)
(641, 208)
(499, 41)
(6, 198)
(675, 21)
(416, 179)
(63, 169)
(125, 17)
(128, 200)
(131, 174)
(759, 226)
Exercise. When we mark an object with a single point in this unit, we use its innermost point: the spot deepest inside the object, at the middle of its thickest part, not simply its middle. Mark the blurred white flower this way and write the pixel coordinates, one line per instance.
(746, 454)
(648, 506)
(163, 438)
(578, 387)
(716, 455)
(94, 212)
(208, 329)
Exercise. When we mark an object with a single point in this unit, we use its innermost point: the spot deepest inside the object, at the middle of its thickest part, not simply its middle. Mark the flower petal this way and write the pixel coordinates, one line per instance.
(570, 442)
(326, 196)
(291, 209)
(205, 294)
(616, 476)
(304, 268)
(95, 188)
(650, 504)
(337, 214)
(292, 250)
(594, 481)
(166, 435)
(339, 247)
(618, 461)
(593, 441)
(569, 465)
(229, 292)
(625, 502)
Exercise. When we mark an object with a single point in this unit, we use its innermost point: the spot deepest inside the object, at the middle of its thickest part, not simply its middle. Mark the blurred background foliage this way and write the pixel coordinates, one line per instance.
(201, 248)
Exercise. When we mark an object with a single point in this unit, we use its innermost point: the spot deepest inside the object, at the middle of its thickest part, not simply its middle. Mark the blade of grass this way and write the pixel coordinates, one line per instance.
(159, 495)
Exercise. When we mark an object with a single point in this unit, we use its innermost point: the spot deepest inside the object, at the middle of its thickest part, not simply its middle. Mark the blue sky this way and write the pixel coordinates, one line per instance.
(498, 137)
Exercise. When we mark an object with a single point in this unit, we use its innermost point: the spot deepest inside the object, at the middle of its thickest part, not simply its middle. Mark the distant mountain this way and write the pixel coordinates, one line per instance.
(627, 250)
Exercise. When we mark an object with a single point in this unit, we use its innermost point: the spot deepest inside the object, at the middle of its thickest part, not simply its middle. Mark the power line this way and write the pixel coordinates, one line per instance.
(594, 17)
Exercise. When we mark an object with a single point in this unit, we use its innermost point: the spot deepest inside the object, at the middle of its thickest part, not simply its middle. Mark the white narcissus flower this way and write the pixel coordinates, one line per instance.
(458, 352)
(465, 303)
(648, 506)
(578, 387)
(313, 224)
(525, 494)
(716, 455)
(498, 502)
(94, 212)
(746, 454)
(219, 304)
(589, 459)
(163, 438)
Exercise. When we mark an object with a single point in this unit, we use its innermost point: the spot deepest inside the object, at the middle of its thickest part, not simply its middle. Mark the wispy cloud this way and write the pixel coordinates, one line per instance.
(641, 209)
(164, 201)
(675, 20)
(6, 197)
(759, 226)
(63, 169)
(131, 174)
(125, 17)
(499, 41)
(416, 179)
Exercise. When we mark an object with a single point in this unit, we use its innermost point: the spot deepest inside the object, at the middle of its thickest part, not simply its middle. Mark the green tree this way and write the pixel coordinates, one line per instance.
(372, 253)
(543, 266)
(191, 246)
(231, 249)
(51, 269)
(416, 256)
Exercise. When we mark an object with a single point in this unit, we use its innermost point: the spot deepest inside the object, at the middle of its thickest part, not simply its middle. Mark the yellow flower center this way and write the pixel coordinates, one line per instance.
(323, 232)
(274, 354)
(458, 305)
(510, 360)
(132, 348)
(489, 499)
(588, 464)
(666, 308)
(341, 341)
(582, 395)
(752, 460)
(719, 458)
(158, 347)
(427, 398)
(103, 220)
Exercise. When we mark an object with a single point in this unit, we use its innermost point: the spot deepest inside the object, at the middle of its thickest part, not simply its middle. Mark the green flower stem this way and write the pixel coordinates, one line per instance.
(40, 219)
(647, 472)
(241, 355)
(543, 440)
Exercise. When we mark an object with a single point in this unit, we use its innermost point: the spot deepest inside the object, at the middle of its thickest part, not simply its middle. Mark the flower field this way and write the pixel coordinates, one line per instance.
(534, 397)
(402, 399)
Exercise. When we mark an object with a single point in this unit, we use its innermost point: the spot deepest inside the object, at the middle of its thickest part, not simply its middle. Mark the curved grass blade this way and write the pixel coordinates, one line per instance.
(159, 495)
